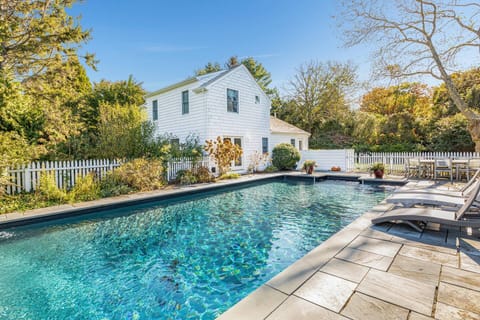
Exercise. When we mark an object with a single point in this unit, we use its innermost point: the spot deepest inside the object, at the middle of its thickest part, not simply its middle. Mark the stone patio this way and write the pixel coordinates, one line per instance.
(376, 272)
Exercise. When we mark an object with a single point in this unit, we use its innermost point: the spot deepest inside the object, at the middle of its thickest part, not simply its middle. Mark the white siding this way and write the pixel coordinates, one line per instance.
(170, 117)
(251, 123)
(277, 138)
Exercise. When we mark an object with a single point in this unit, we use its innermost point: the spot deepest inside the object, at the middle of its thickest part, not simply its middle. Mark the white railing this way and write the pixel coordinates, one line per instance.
(177, 164)
(395, 161)
(26, 177)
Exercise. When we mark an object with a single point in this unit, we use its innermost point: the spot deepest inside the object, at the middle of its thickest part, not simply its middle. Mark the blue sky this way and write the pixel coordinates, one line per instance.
(161, 42)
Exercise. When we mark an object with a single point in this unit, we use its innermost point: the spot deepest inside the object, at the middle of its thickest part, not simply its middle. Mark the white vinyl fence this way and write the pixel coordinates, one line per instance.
(395, 161)
(26, 177)
(178, 164)
(326, 159)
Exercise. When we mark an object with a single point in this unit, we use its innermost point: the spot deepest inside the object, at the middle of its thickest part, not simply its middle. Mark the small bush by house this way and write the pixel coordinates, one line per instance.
(285, 156)
(139, 175)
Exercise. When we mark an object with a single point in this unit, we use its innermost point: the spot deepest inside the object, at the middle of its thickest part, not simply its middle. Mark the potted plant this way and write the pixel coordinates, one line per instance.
(308, 166)
(378, 169)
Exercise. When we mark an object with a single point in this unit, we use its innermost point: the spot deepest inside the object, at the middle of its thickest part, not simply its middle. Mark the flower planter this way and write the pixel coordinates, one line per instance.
(378, 174)
(309, 166)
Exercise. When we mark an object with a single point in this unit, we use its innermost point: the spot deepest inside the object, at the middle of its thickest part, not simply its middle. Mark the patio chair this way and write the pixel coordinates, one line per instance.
(443, 166)
(463, 192)
(418, 218)
(473, 165)
(412, 168)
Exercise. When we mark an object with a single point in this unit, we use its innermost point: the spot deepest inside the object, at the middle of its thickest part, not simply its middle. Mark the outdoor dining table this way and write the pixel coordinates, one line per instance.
(429, 166)
(458, 164)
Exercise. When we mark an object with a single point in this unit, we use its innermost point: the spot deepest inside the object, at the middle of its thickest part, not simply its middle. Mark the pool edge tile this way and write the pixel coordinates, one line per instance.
(257, 305)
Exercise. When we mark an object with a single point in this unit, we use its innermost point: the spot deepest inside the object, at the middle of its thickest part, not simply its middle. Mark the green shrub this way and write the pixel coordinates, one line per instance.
(85, 189)
(270, 169)
(20, 202)
(285, 156)
(203, 174)
(112, 185)
(141, 174)
(231, 175)
(195, 175)
(47, 189)
(186, 177)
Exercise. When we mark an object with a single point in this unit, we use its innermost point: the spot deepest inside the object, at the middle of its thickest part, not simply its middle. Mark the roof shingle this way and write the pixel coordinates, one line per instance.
(280, 126)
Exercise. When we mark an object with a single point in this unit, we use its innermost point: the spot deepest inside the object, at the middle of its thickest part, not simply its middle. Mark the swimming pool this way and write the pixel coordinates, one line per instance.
(192, 257)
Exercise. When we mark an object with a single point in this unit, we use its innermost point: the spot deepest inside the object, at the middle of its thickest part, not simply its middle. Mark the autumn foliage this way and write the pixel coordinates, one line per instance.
(224, 152)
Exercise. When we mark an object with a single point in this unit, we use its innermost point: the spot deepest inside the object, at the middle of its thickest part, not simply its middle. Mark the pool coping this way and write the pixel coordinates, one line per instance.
(15, 219)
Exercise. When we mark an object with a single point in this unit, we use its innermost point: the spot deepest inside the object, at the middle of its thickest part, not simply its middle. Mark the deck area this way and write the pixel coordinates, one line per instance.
(376, 272)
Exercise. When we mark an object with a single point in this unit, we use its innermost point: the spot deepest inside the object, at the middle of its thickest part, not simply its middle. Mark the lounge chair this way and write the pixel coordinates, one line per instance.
(430, 199)
(417, 218)
(463, 192)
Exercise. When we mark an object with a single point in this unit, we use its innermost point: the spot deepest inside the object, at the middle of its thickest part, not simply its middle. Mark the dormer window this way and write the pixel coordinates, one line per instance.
(232, 100)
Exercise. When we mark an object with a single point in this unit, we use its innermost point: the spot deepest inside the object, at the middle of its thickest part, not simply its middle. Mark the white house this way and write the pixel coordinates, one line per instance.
(284, 132)
(227, 103)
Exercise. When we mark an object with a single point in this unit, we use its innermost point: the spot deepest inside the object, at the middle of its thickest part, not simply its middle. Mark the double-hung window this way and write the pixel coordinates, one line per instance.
(292, 141)
(264, 145)
(155, 110)
(185, 106)
(232, 100)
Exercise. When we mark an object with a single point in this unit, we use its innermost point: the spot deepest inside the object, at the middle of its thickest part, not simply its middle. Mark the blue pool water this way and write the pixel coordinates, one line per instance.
(189, 258)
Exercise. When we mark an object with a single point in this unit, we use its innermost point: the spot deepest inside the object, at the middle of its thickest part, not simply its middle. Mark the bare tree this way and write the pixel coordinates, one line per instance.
(418, 38)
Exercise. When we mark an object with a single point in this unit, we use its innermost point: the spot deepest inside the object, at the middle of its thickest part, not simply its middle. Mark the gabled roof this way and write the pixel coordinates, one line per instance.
(280, 126)
(202, 81)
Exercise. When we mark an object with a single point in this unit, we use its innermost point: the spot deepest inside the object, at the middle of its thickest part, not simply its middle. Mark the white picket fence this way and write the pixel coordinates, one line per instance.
(26, 177)
(177, 164)
(395, 161)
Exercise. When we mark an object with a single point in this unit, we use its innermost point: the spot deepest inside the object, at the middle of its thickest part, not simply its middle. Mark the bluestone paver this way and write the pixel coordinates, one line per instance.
(299, 309)
(365, 258)
(459, 297)
(381, 247)
(404, 292)
(415, 269)
(346, 270)
(363, 307)
(446, 312)
(320, 287)
(430, 256)
(461, 278)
